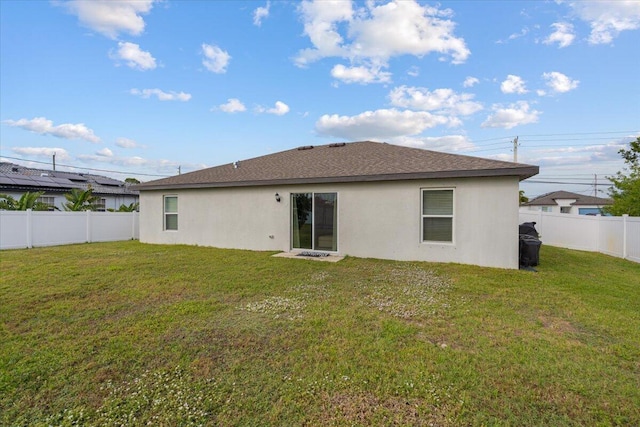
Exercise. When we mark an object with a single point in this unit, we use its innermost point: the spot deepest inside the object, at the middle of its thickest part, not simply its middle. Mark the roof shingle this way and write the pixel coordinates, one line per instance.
(343, 162)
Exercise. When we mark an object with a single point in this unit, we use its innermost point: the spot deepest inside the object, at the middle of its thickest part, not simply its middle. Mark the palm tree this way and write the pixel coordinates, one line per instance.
(132, 207)
(27, 201)
(81, 200)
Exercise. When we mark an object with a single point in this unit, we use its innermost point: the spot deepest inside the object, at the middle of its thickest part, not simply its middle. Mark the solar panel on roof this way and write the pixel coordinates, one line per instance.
(63, 181)
(107, 181)
(25, 181)
(5, 179)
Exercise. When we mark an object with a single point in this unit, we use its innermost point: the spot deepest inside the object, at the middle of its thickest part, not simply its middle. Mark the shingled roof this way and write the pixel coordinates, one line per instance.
(549, 199)
(342, 162)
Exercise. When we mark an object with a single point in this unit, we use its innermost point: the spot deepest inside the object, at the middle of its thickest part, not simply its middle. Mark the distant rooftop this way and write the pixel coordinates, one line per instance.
(22, 178)
(549, 199)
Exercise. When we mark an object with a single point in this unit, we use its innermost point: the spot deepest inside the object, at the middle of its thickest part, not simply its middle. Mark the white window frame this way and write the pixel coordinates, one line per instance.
(50, 201)
(452, 216)
(101, 206)
(165, 213)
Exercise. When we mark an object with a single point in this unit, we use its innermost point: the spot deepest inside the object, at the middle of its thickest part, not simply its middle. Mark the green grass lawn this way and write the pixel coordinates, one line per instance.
(129, 334)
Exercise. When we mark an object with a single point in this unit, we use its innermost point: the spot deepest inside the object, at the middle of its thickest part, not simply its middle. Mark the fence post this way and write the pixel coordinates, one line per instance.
(133, 225)
(598, 228)
(88, 222)
(625, 217)
(29, 230)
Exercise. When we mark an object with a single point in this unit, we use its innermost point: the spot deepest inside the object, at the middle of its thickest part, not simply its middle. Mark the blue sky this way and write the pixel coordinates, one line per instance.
(140, 88)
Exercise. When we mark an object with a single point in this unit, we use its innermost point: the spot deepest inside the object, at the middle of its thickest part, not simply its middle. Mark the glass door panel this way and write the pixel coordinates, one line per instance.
(325, 222)
(301, 221)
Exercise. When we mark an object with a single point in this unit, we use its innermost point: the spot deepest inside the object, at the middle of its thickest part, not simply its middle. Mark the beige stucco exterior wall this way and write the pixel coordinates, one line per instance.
(378, 220)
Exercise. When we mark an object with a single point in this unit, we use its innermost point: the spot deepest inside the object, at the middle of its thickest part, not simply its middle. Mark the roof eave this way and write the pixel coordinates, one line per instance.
(520, 172)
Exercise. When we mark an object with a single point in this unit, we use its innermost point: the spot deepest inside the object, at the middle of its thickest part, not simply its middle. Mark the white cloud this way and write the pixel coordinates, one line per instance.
(215, 59)
(46, 152)
(515, 115)
(109, 17)
(105, 152)
(413, 71)
(133, 56)
(280, 109)
(360, 74)
(608, 18)
(470, 82)
(161, 95)
(261, 13)
(563, 34)
(450, 143)
(440, 100)
(377, 32)
(233, 105)
(126, 143)
(44, 126)
(379, 124)
(559, 83)
(513, 84)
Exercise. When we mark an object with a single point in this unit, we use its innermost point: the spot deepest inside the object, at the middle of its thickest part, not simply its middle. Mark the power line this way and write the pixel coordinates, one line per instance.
(84, 168)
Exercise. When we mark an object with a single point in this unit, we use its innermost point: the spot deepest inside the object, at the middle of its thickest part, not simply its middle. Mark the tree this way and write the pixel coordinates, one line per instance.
(81, 200)
(523, 198)
(626, 184)
(132, 207)
(132, 181)
(27, 201)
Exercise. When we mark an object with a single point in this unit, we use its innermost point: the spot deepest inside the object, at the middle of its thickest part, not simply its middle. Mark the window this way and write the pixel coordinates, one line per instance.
(49, 201)
(546, 209)
(170, 212)
(565, 209)
(314, 221)
(101, 205)
(437, 215)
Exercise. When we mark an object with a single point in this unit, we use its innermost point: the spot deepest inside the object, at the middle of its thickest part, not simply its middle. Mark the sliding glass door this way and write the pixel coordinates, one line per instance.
(314, 221)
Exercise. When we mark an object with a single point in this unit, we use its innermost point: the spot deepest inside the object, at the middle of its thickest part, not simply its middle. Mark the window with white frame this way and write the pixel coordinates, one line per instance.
(437, 215)
(170, 212)
(48, 200)
(101, 205)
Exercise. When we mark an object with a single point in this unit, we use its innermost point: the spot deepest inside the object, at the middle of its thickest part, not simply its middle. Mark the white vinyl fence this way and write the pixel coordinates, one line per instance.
(27, 229)
(612, 235)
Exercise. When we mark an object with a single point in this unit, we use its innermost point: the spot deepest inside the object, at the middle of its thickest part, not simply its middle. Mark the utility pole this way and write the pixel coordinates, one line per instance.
(515, 150)
(54, 161)
(179, 170)
(595, 186)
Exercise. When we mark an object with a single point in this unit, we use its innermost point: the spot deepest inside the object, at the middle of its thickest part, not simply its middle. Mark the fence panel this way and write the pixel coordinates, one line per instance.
(26, 229)
(13, 230)
(58, 228)
(633, 239)
(611, 236)
(614, 235)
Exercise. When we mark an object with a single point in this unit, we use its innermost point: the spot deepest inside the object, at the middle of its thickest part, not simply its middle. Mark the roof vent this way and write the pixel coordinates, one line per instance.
(338, 144)
(14, 169)
(236, 164)
(305, 147)
(44, 174)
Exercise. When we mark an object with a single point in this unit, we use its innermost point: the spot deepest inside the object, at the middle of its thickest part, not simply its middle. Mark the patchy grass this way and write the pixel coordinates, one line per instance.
(131, 334)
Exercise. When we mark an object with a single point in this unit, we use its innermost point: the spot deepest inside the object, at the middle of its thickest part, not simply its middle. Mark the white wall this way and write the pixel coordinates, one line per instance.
(616, 236)
(112, 201)
(378, 220)
(26, 229)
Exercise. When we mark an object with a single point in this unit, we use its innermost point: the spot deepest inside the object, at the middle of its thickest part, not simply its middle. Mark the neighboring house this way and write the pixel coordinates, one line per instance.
(364, 199)
(566, 202)
(16, 180)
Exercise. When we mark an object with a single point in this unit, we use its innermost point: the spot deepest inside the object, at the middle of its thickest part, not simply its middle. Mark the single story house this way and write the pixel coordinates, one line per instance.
(15, 180)
(567, 202)
(364, 199)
